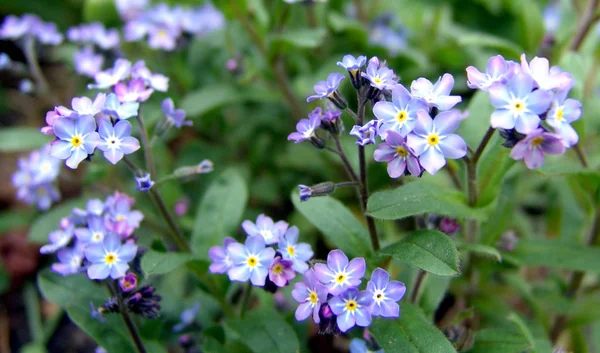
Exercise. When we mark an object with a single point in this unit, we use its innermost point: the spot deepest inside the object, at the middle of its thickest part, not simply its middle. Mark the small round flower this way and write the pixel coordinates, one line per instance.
(350, 63)
(385, 294)
(352, 308)
(433, 140)
(87, 62)
(560, 116)
(77, 138)
(135, 91)
(398, 155)
(326, 89)
(310, 294)
(339, 274)
(533, 147)
(109, 258)
(298, 253)
(95, 231)
(175, 117)
(221, 262)
(399, 115)
(70, 261)
(281, 272)
(379, 77)
(265, 228)
(545, 77)
(250, 261)
(498, 70)
(116, 140)
(120, 111)
(360, 346)
(436, 95)
(306, 128)
(58, 240)
(143, 183)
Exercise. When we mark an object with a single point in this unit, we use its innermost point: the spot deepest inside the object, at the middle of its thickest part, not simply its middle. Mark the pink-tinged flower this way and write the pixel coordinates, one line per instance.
(70, 261)
(265, 228)
(379, 76)
(516, 105)
(221, 263)
(281, 272)
(85, 106)
(385, 294)
(120, 218)
(157, 82)
(135, 91)
(339, 274)
(130, 9)
(399, 115)
(498, 70)
(310, 294)
(163, 37)
(533, 147)
(436, 95)
(128, 283)
(398, 156)
(561, 114)
(433, 140)
(250, 261)
(546, 78)
(116, 140)
(175, 117)
(109, 258)
(352, 308)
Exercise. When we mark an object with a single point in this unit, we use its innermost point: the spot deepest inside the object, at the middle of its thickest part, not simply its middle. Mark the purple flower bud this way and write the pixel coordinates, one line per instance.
(281, 272)
(128, 283)
(182, 206)
(329, 89)
(365, 135)
(143, 183)
(449, 225)
(321, 189)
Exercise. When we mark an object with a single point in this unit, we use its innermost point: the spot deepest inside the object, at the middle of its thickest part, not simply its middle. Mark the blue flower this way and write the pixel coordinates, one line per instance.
(70, 261)
(265, 228)
(328, 89)
(298, 253)
(306, 129)
(220, 257)
(561, 114)
(187, 318)
(353, 66)
(366, 134)
(385, 294)
(110, 77)
(436, 95)
(399, 115)
(118, 110)
(175, 117)
(379, 77)
(109, 258)
(120, 218)
(58, 240)
(116, 140)
(143, 183)
(339, 274)
(305, 192)
(77, 138)
(310, 294)
(352, 308)
(250, 261)
(95, 231)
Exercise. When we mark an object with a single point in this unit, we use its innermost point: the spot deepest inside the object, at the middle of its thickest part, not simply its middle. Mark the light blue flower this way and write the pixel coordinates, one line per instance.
(116, 140)
(379, 77)
(77, 138)
(250, 261)
(436, 95)
(187, 317)
(359, 346)
(399, 115)
(267, 229)
(298, 253)
(58, 240)
(352, 307)
(118, 110)
(109, 258)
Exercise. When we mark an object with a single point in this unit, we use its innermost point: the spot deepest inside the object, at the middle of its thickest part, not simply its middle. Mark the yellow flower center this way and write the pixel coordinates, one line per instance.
(162, 33)
(401, 116)
(120, 218)
(277, 269)
(41, 191)
(312, 297)
(110, 258)
(433, 139)
(537, 141)
(291, 250)
(401, 151)
(351, 305)
(76, 140)
(518, 106)
(45, 167)
(559, 114)
(340, 278)
(377, 80)
(252, 261)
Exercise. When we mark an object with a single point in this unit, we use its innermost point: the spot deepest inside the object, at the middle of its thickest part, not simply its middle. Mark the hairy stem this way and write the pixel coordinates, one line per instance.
(418, 283)
(342, 154)
(177, 237)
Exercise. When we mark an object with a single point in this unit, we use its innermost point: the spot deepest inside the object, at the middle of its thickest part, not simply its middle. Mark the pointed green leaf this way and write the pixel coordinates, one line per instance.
(429, 250)
(16, 139)
(555, 253)
(266, 331)
(412, 333)
(483, 250)
(157, 263)
(500, 341)
(336, 223)
(420, 197)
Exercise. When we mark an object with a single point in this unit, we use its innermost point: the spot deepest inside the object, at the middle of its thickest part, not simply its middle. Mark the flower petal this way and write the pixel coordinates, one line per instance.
(337, 260)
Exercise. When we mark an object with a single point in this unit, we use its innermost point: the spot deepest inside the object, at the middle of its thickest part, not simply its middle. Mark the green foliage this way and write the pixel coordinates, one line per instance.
(158, 263)
(265, 331)
(16, 139)
(555, 253)
(429, 250)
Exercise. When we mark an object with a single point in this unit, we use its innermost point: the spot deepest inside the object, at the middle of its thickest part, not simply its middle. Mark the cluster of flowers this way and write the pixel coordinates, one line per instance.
(30, 26)
(35, 179)
(98, 240)
(92, 37)
(165, 26)
(530, 100)
(259, 263)
(331, 295)
(142, 301)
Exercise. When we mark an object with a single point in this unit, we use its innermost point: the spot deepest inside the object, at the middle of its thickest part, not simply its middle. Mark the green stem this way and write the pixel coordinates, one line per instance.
(418, 284)
(246, 299)
(582, 158)
(146, 145)
(133, 332)
(589, 17)
(43, 88)
(342, 154)
(311, 15)
(177, 237)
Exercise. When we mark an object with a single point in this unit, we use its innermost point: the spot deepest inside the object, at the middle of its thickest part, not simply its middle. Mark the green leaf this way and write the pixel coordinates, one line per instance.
(199, 102)
(46, 223)
(158, 263)
(337, 224)
(429, 250)
(219, 212)
(531, 23)
(17, 139)
(412, 333)
(299, 38)
(341, 23)
(266, 331)
(258, 10)
(500, 341)
(481, 39)
(480, 249)
(491, 170)
(420, 197)
(556, 254)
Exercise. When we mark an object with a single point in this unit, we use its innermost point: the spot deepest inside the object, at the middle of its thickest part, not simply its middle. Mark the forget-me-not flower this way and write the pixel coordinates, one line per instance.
(111, 258)
(400, 114)
(310, 294)
(562, 113)
(398, 156)
(339, 274)
(290, 249)
(265, 227)
(118, 110)
(533, 147)
(498, 70)
(250, 261)
(77, 138)
(116, 140)
(221, 262)
(385, 294)
(436, 95)
(352, 307)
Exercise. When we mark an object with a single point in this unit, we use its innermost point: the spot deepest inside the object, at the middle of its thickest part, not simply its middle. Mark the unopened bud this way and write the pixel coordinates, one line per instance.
(322, 189)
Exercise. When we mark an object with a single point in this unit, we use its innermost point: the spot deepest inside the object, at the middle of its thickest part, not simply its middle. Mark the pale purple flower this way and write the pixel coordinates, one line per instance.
(109, 258)
(339, 274)
(516, 105)
(85, 106)
(94, 33)
(175, 117)
(250, 261)
(94, 207)
(350, 63)
(130, 9)
(433, 140)
(560, 116)
(305, 193)
(116, 140)
(120, 218)
(327, 89)
(221, 262)
(157, 82)
(182, 206)
(399, 115)
(118, 110)
(94, 233)
(436, 95)
(543, 76)
(533, 147)
(87, 62)
(163, 37)
(306, 128)
(15, 27)
(379, 77)
(385, 294)
(47, 33)
(26, 86)
(298, 253)
(58, 239)
(40, 195)
(398, 156)
(498, 70)
(143, 183)
(281, 272)
(187, 318)
(392, 39)
(310, 294)
(77, 138)
(365, 135)
(352, 308)
(70, 261)
(112, 76)
(135, 91)
(269, 231)
(136, 29)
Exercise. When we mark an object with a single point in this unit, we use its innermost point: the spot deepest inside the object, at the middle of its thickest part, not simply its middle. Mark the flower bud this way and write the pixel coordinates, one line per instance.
(322, 189)
(331, 122)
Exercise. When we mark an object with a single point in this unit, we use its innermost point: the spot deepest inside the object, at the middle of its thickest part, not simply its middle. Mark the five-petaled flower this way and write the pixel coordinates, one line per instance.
(561, 114)
(398, 156)
(339, 274)
(352, 307)
(116, 140)
(250, 261)
(310, 294)
(221, 262)
(385, 294)
(533, 147)
(77, 138)
(290, 249)
(109, 258)
(265, 228)
(399, 115)
(436, 95)
(498, 70)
